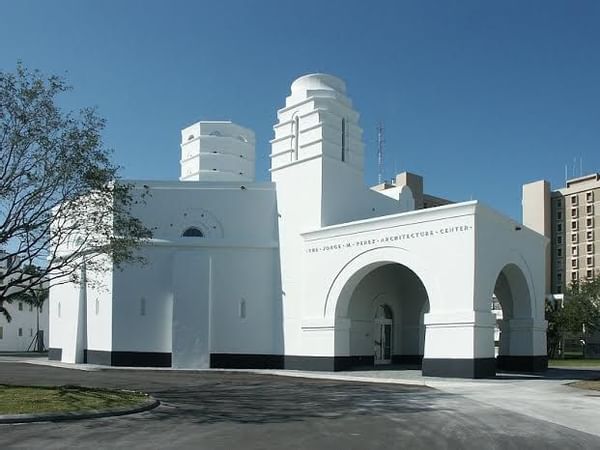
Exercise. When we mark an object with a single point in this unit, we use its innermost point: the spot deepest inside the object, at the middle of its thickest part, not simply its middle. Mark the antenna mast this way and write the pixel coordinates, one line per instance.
(380, 141)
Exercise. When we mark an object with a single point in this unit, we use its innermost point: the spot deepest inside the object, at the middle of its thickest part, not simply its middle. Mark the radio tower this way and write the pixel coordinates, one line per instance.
(380, 141)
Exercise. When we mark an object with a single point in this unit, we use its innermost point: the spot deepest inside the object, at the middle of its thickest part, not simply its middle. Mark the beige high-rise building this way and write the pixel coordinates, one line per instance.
(570, 218)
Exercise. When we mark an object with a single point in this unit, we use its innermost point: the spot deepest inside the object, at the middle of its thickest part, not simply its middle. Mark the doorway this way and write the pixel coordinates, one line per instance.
(382, 335)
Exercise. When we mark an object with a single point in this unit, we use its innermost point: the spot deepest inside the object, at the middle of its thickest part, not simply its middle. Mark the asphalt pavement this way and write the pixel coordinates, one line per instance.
(230, 410)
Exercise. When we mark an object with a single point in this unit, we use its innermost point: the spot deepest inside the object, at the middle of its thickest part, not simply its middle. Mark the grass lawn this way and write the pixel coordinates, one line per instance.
(587, 384)
(41, 399)
(574, 362)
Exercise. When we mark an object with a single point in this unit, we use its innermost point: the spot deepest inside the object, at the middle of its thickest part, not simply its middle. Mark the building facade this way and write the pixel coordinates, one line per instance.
(570, 218)
(312, 270)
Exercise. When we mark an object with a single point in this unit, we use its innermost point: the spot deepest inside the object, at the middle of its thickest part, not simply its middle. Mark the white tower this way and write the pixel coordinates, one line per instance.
(317, 165)
(217, 151)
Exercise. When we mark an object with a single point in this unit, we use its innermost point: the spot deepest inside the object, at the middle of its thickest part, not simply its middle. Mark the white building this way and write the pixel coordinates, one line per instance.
(19, 334)
(312, 270)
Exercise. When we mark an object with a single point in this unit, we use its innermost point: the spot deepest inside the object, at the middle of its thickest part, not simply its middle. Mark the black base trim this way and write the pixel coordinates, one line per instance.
(55, 354)
(127, 359)
(291, 362)
(245, 361)
(459, 368)
(522, 363)
(416, 360)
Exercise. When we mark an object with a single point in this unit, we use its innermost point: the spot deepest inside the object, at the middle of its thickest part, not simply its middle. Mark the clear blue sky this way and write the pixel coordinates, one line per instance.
(477, 96)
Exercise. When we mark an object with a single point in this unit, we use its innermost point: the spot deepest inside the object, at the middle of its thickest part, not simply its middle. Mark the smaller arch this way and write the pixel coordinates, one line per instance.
(383, 311)
(192, 232)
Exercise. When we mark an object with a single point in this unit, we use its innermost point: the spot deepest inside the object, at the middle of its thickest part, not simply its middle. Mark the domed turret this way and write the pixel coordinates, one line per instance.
(317, 82)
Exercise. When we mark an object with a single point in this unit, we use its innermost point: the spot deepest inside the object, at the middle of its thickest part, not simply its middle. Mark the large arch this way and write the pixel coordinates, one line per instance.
(364, 334)
(346, 280)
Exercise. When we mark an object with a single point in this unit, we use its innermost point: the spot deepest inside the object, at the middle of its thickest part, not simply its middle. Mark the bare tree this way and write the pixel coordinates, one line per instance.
(61, 203)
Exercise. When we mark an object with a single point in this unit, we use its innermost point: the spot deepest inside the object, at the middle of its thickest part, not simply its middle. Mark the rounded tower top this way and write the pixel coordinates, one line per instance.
(318, 81)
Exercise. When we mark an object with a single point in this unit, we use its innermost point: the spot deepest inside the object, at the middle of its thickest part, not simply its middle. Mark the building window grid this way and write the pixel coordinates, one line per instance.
(574, 238)
(589, 196)
(574, 200)
(589, 222)
(574, 275)
(574, 263)
(574, 213)
(574, 251)
(589, 248)
(590, 235)
(589, 210)
(574, 225)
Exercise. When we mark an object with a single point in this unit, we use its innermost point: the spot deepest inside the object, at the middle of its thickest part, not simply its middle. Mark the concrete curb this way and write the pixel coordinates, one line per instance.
(147, 405)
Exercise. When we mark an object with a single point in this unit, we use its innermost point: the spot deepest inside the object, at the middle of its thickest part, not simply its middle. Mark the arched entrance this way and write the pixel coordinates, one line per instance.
(384, 315)
(515, 322)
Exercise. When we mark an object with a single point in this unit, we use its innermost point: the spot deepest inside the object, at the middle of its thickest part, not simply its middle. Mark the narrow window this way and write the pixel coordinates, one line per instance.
(30, 332)
(1, 333)
(41, 308)
(97, 306)
(20, 306)
(242, 309)
(343, 139)
(295, 137)
(20, 331)
(142, 306)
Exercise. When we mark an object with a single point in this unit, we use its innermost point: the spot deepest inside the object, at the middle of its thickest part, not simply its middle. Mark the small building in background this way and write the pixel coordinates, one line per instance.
(28, 321)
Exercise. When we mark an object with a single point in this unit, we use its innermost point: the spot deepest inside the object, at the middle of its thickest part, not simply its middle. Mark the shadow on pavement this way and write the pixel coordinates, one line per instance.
(288, 402)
